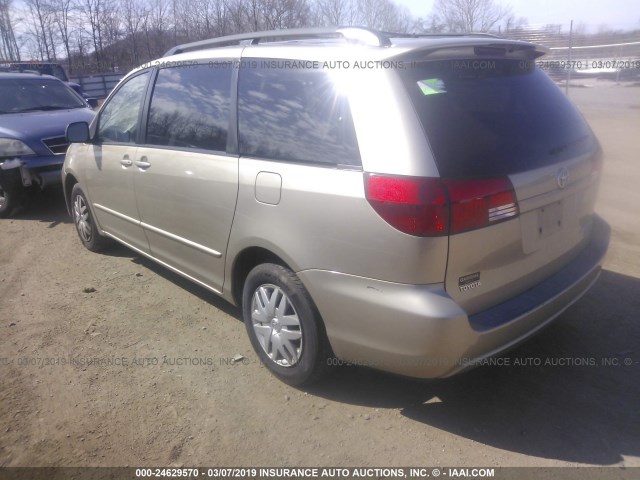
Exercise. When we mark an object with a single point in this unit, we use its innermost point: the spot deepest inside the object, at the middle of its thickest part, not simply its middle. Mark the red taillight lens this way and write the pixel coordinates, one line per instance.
(479, 203)
(413, 205)
(429, 207)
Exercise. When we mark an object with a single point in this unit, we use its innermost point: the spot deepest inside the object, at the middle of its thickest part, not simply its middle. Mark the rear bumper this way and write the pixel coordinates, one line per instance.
(419, 331)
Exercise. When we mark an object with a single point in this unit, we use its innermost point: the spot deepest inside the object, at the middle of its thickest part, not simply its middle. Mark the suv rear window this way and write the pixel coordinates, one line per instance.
(293, 115)
(494, 117)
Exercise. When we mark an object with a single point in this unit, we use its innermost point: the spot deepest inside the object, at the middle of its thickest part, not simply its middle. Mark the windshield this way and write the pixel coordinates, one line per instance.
(19, 95)
(494, 117)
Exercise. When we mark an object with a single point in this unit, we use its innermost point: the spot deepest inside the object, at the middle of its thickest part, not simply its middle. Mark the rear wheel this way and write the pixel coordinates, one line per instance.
(284, 325)
(85, 225)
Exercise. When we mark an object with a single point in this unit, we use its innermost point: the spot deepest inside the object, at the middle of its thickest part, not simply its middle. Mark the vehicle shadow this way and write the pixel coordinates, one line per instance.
(579, 405)
(46, 206)
(194, 289)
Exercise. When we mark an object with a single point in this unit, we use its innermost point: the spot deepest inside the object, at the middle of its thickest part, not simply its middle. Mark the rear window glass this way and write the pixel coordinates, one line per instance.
(494, 117)
(294, 115)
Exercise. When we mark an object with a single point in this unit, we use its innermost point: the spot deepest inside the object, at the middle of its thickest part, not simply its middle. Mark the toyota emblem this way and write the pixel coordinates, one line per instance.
(562, 177)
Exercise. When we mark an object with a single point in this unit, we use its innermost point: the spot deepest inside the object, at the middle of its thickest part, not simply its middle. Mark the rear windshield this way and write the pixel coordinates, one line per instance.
(494, 117)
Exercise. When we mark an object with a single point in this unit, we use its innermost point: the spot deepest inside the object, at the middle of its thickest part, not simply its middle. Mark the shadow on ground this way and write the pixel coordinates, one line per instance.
(45, 206)
(585, 413)
(200, 292)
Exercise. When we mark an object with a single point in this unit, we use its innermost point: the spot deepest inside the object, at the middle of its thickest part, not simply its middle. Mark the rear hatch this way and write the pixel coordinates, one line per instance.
(520, 167)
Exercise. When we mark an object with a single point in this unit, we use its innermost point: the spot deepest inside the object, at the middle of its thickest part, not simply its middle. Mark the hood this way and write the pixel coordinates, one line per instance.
(32, 127)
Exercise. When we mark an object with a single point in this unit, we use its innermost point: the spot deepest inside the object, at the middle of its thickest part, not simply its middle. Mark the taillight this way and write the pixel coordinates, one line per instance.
(479, 203)
(426, 207)
(413, 205)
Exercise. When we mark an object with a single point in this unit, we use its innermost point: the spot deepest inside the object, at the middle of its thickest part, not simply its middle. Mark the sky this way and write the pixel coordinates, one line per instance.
(618, 14)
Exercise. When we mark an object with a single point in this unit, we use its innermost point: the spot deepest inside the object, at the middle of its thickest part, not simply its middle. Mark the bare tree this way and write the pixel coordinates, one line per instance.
(8, 45)
(202, 19)
(511, 23)
(134, 14)
(62, 10)
(383, 15)
(112, 31)
(335, 12)
(221, 10)
(278, 14)
(40, 25)
(82, 44)
(469, 15)
(92, 10)
(158, 28)
(253, 12)
(125, 33)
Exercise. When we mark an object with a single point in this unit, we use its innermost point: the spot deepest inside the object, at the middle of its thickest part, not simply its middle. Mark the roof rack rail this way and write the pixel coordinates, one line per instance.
(431, 35)
(361, 35)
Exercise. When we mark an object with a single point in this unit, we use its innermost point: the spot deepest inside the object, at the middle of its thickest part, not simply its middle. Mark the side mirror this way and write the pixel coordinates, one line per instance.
(78, 132)
(93, 102)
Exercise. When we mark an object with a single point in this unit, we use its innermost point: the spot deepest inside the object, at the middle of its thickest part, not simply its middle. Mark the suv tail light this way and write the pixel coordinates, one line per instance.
(479, 203)
(413, 205)
(429, 207)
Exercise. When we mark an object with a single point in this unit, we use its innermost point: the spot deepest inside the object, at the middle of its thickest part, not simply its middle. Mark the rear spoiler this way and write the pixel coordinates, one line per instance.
(477, 47)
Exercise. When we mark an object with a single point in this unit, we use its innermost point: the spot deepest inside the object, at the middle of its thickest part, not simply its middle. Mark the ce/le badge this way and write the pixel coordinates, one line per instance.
(469, 282)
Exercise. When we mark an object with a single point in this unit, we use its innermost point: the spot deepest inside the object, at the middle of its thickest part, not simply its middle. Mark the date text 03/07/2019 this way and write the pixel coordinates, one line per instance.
(314, 472)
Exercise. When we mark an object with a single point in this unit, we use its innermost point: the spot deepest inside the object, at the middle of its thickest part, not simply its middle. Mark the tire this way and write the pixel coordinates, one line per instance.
(83, 220)
(8, 200)
(284, 325)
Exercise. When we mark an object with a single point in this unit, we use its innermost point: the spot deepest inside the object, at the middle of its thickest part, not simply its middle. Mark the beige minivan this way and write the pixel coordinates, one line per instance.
(415, 204)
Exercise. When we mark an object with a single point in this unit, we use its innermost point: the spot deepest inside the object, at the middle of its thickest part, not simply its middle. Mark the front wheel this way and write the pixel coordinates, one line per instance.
(284, 325)
(85, 225)
(7, 201)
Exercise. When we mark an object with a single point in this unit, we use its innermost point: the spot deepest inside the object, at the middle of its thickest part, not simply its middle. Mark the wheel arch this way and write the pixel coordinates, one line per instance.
(244, 262)
(69, 181)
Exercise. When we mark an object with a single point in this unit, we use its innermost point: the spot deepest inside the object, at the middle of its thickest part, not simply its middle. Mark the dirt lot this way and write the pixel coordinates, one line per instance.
(184, 403)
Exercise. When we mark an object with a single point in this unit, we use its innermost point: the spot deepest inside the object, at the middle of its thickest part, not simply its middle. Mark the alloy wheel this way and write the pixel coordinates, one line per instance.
(82, 219)
(276, 325)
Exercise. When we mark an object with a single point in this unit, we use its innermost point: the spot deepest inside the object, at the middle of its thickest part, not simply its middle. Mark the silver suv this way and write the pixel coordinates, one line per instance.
(411, 203)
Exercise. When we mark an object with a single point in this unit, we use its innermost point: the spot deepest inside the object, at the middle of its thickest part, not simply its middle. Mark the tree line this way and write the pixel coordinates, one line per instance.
(91, 36)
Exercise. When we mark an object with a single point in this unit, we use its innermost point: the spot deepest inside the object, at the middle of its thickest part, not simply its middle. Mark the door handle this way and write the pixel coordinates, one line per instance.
(126, 162)
(142, 163)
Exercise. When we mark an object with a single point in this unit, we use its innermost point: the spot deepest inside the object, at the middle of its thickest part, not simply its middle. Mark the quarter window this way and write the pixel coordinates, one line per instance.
(294, 115)
(190, 108)
(119, 119)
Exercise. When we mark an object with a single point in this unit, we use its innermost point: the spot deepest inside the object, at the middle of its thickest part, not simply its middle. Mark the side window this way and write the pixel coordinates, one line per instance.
(294, 115)
(118, 122)
(190, 108)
